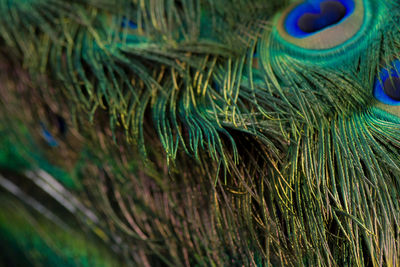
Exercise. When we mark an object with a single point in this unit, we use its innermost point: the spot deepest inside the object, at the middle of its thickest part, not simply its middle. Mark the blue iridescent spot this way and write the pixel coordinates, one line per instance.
(126, 23)
(387, 85)
(48, 137)
(314, 16)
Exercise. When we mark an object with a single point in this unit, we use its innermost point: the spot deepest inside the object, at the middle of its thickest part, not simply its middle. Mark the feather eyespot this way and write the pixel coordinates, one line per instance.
(313, 17)
(387, 85)
(126, 23)
(321, 24)
(57, 131)
(47, 136)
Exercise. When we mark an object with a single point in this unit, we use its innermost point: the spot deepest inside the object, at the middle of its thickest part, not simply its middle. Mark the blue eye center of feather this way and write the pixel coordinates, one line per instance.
(59, 123)
(392, 88)
(331, 13)
(317, 15)
(126, 23)
(387, 85)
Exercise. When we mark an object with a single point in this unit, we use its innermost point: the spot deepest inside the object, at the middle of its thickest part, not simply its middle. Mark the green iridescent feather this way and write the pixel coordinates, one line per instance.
(196, 133)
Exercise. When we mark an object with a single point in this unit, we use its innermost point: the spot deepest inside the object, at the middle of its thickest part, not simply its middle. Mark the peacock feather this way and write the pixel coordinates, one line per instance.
(200, 133)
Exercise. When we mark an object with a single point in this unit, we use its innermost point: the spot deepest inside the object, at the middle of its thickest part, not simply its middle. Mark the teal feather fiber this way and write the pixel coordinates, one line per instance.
(196, 133)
